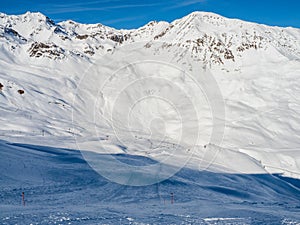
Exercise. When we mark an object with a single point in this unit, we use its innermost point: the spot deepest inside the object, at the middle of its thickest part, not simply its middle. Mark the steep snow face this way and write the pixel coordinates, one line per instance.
(108, 88)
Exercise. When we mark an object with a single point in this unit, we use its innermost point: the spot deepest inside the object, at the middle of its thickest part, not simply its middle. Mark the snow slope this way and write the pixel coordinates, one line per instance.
(100, 89)
(61, 188)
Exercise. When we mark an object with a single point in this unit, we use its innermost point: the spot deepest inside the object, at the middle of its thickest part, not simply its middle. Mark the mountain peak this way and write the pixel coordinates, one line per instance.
(26, 17)
(209, 36)
(203, 13)
(199, 19)
(34, 14)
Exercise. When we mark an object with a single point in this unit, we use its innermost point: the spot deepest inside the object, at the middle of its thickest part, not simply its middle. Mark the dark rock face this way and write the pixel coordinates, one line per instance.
(21, 92)
(14, 33)
(82, 37)
(119, 38)
(52, 51)
(49, 21)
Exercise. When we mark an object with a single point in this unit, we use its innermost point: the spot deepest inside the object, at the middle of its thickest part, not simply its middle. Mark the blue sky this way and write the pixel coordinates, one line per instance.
(135, 13)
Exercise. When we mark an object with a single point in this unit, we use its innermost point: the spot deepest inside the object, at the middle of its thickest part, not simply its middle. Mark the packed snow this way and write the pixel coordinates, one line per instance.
(61, 188)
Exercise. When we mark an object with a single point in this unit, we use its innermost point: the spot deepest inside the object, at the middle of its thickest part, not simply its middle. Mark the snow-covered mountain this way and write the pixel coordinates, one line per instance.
(54, 87)
(209, 37)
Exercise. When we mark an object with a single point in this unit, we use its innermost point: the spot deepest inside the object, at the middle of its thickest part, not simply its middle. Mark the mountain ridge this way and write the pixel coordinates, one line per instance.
(201, 33)
(256, 68)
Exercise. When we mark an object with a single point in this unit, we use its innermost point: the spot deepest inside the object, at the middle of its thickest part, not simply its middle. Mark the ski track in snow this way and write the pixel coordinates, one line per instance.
(61, 188)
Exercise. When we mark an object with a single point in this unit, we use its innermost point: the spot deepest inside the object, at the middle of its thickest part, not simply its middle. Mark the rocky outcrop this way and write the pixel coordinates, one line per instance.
(51, 51)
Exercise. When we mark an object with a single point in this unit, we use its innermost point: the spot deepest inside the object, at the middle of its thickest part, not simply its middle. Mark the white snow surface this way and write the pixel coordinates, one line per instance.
(69, 102)
(61, 188)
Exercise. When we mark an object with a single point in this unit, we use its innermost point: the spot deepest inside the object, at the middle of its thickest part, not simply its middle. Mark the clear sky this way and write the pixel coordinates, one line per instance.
(135, 13)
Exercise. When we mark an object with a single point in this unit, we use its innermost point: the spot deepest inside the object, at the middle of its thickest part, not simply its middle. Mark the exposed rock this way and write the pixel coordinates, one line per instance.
(59, 30)
(14, 33)
(82, 37)
(117, 38)
(148, 45)
(52, 51)
(49, 21)
(21, 92)
(228, 54)
(163, 33)
(90, 52)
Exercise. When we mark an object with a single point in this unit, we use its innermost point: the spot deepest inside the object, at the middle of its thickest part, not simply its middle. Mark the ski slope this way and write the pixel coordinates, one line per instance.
(247, 73)
(61, 188)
